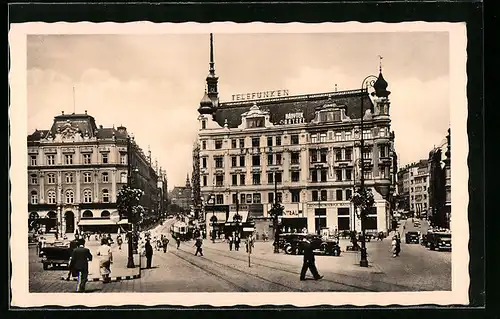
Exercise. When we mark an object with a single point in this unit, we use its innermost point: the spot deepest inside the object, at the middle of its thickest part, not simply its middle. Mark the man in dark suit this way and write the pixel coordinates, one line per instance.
(149, 254)
(309, 261)
(79, 264)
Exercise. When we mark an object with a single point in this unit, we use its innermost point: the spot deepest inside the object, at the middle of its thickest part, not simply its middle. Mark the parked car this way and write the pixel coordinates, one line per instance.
(412, 237)
(292, 243)
(330, 246)
(57, 254)
(439, 240)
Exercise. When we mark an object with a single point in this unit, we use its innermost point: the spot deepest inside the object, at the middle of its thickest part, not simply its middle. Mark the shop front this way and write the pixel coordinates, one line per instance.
(102, 225)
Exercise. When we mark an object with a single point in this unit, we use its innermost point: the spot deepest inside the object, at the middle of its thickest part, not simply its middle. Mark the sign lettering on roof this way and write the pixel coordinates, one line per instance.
(260, 95)
(293, 116)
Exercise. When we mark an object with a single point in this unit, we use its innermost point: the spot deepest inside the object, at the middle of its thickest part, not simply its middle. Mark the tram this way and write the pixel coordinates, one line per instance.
(181, 230)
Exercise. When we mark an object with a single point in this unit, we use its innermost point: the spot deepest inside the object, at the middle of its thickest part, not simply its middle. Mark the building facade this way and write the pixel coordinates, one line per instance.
(182, 196)
(75, 170)
(413, 188)
(308, 145)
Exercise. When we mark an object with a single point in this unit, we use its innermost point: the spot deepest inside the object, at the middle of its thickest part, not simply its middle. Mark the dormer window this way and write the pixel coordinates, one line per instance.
(330, 116)
(255, 122)
(218, 144)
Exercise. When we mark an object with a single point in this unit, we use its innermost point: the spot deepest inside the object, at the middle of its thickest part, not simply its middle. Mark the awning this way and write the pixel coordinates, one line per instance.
(243, 214)
(101, 222)
(248, 229)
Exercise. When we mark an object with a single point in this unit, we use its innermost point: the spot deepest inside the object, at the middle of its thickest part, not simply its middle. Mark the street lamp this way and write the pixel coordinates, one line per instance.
(367, 82)
(276, 211)
(213, 219)
(130, 259)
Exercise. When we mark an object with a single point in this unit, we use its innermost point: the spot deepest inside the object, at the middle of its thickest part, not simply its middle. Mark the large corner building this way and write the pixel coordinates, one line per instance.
(309, 144)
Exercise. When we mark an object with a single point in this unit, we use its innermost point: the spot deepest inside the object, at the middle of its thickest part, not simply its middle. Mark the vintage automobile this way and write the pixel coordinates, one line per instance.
(412, 237)
(56, 254)
(291, 243)
(439, 240)
(330, 246)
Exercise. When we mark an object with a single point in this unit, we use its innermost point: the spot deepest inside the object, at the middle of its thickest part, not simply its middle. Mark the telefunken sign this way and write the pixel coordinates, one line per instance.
(259, 95)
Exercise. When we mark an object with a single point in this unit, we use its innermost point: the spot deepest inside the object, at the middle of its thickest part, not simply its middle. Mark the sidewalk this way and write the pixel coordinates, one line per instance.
(119, 270)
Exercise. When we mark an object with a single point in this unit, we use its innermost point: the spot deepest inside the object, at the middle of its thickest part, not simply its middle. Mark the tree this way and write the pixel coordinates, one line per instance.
(127, 201)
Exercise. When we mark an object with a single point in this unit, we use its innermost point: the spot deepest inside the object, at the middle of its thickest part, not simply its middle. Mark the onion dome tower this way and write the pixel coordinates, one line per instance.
(206, 105)
(210, 100)
(381, 85)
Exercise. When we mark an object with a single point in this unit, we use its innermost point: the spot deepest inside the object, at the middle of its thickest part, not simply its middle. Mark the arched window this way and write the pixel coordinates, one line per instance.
(105, 177)
(87, 213)
(87, 196)
(33, 179)
(70, 196)
(51, 178)
(105, 196)
(69, 177)
(51, 197)
(123, 177)
(34, 197)
(105, 214)
(51, 214)
(87, 177)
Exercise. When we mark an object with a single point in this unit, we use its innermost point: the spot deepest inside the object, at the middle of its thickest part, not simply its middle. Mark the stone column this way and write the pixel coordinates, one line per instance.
(41, 180)
(78, 194)
(113, 185)
(96, 188)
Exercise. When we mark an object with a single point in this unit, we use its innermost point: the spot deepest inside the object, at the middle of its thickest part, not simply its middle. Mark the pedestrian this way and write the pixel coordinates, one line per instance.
(198, 245)
(396, 246)
(79, 264)
(119, 241)
(237, 241)
(105, 260)
(149, 253)
(178, 241)
(165, 242)
(72, 246)
(230, 240)
(309, 261)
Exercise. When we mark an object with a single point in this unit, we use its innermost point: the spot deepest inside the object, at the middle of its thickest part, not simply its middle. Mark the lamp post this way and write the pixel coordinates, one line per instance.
(213, 219)
(276, 212)
(130, 259)
(237, 217)
(367, 82)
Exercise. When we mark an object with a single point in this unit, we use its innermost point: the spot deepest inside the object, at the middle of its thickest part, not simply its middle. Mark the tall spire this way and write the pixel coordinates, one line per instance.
(212, 70)
(380, 64)
(212, 79)
(188, 182)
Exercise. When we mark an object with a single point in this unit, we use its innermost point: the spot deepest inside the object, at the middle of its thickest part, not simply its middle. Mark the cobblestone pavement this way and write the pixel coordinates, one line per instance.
(221, 270)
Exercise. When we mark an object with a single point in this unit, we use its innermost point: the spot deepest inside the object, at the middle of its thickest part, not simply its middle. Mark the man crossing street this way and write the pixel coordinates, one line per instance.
(309, 261)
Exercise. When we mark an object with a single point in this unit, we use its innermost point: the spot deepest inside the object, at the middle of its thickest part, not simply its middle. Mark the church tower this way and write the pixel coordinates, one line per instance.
(210, 100)
(381, 94)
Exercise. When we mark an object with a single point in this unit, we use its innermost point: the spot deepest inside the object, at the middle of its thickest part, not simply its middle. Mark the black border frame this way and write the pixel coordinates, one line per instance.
(470, 12)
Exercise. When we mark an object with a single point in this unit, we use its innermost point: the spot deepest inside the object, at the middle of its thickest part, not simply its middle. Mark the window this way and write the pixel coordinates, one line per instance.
(368, 174)
(104, 157)
(50, 160)
(338, 175)
(412, 189)
(235, 198)
(278, 158)
(242, 179)
(324, 172)
(270, 178)
(69, 178)
(367, 154)
(314, 156)
(269, 159)
(87, 158)
(51, 178)
(256, 160)
(218, 162)
(338, 137)
(295, 196)
(279, 197)
(219, 180)
(105, 196)
(278, 178)
(233, 143)
(243, 198)
(233, 161)
(123, 177)
(348, 154)
(382, 131)
(348, 194)
(314, 138)
(242, 143)
(256, 179)
(33, 179)
(203, 125)
(295, 158)
(70, 197)
(51, 197)
(323, 194)
(367, 134)
(425, 196)
(203, 145)
(123, 159)
(323, 154)
(338, 194)
(314, 196)
(218, 144)
(204, 162)
(270, 197)
(255, 142)
(294, 139)
(87, 196)
(314, 175)
(105, 177)
(242, 160)
(204, 180)
(269, 141)
(33, 160)
(425, 188)
(278, 140)
(338, 154)
(87, 177)
(234, 179)
(256, 198)
(295, 177)
(348, 174)
(348, 136)
(34, 197)
(382, 150)
(322, 137)
(68, 159)
(219, 199)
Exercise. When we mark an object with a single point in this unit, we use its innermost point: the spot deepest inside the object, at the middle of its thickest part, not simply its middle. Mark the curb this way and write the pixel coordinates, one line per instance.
(119, 278)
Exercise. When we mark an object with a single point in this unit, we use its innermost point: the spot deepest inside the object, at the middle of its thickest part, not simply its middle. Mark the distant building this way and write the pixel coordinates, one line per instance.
(75, 170)
(413, 184)
(307, 144)
(182, 196)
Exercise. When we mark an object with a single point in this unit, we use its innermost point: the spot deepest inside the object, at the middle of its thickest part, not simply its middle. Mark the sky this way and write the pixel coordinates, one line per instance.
(152, 84)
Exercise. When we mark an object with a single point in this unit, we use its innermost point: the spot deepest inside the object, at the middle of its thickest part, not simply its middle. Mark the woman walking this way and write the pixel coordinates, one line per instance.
(105, 260)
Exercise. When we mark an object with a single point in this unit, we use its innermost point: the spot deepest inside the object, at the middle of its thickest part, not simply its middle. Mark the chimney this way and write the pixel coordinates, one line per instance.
(62, 112)
(100, 127)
